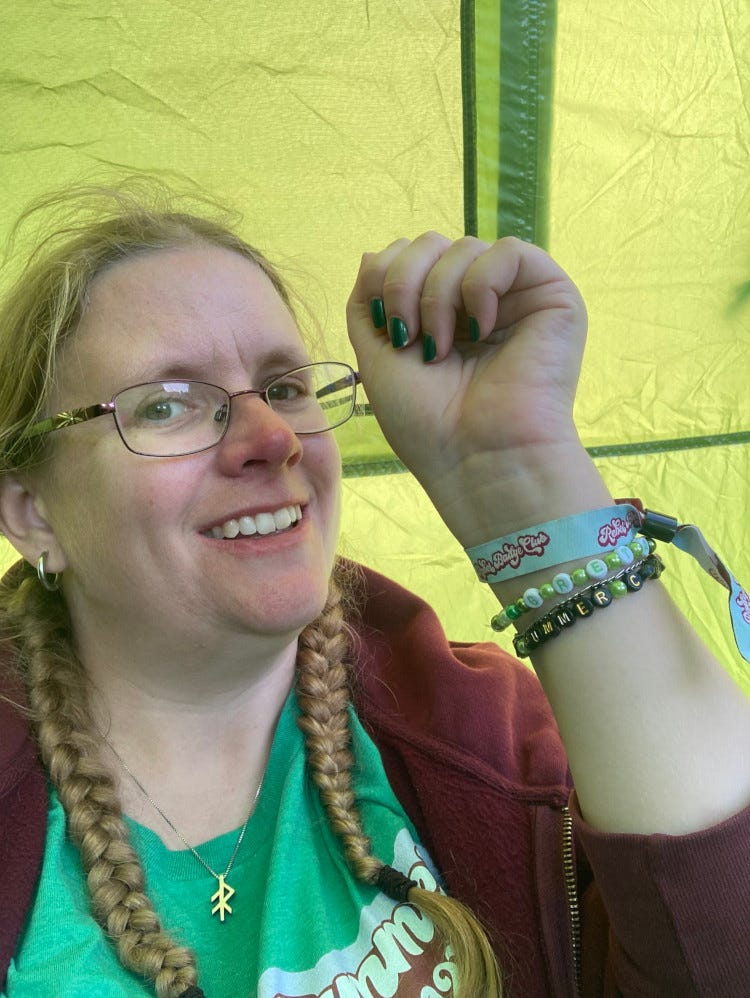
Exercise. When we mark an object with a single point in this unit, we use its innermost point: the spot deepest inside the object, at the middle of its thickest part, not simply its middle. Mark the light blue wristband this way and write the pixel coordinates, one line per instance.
(584, 535)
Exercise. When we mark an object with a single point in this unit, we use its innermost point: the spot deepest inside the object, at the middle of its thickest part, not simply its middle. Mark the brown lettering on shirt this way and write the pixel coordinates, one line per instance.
(406, 958)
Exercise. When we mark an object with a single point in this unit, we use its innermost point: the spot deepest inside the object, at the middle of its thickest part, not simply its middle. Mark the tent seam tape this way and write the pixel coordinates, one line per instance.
(468, 102)
(391, 466)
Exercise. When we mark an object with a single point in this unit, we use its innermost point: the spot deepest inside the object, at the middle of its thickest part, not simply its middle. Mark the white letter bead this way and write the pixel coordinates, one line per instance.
(597, 569)
(626, 555)
(562, 583)
(532, 598)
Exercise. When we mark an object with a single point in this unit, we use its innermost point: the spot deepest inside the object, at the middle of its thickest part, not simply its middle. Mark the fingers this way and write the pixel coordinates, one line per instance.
(437, 291)
(512, 281)
(412, 291)
(391, 283)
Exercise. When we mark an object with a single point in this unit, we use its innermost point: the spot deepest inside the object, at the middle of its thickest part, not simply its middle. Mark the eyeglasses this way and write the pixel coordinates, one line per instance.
(172, 418)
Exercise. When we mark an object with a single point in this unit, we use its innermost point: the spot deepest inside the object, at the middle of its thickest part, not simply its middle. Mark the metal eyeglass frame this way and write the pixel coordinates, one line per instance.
(71, 417)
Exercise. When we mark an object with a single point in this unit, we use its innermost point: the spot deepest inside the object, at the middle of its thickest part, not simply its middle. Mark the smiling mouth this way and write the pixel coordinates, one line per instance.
(261, 525)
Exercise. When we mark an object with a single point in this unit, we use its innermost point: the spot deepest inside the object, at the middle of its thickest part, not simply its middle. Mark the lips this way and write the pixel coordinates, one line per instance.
(260, 524)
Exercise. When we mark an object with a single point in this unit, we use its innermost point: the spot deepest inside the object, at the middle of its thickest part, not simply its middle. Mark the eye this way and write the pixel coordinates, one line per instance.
(288, 389)
(162, 409)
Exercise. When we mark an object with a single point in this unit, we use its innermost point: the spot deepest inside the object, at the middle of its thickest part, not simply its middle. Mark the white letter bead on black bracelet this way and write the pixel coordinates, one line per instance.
(583, 604)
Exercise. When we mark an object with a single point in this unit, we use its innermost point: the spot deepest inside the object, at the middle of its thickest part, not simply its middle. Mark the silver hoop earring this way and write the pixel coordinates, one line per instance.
(50, 582)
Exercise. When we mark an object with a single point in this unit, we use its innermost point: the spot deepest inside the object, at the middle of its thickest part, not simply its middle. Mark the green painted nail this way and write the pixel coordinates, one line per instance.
(473, 329)
(429, 351)
(399, 333)
(377, 311)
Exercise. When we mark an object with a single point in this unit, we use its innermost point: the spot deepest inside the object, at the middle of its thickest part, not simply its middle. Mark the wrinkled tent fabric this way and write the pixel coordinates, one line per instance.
(619, 140)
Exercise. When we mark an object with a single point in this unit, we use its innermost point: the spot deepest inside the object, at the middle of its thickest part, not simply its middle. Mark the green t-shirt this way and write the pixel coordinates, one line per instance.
(301, 925)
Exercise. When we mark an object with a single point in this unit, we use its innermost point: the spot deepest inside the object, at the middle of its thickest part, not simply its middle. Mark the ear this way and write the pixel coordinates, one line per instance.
(23, 520)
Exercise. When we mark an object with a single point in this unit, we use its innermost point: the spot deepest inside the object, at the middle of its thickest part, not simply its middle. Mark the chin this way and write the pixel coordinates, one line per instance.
(290, 611)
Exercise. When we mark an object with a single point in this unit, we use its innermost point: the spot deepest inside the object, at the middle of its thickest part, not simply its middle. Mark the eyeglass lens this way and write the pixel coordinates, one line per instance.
(181, 417)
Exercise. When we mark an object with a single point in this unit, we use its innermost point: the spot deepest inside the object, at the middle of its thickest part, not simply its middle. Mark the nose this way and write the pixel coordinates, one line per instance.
(256, 434)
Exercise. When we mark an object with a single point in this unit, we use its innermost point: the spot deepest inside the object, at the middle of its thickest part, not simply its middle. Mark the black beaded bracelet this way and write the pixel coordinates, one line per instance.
(583, 604)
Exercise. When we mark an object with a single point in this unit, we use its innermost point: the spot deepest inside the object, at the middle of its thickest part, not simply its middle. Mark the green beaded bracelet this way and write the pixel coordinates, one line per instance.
(595, 570)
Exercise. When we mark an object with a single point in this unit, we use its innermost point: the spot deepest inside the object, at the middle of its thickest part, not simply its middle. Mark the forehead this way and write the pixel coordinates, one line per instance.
(200, 308)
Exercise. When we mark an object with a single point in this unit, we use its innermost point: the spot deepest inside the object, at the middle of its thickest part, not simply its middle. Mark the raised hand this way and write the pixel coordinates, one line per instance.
(507, 328)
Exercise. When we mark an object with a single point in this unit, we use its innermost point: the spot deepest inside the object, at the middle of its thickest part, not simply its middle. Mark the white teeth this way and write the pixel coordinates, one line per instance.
(265, 523)
(261, 523)
(282, 518)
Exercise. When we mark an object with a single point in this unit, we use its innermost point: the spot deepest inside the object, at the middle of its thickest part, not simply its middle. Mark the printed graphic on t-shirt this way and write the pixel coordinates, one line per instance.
(397, 951)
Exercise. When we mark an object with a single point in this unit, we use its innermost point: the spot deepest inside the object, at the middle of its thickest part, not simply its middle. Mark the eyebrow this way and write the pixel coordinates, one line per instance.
(276, 360)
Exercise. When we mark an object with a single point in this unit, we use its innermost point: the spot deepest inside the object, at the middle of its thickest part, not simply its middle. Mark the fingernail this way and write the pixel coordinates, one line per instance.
(399, 333)
(429, 351)
(377, 311)
(473, 329)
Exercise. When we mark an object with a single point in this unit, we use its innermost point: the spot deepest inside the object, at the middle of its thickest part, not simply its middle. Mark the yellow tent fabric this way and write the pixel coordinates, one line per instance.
(338, 127)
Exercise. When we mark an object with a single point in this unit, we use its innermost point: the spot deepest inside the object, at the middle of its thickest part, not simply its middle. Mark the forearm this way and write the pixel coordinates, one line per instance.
(657, 734)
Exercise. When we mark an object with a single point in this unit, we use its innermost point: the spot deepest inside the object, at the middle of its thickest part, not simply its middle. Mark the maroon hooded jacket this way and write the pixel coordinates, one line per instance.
(473, 753)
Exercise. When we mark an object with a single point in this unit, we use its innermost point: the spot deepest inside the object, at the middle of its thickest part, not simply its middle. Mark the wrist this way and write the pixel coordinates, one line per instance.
(488, 498)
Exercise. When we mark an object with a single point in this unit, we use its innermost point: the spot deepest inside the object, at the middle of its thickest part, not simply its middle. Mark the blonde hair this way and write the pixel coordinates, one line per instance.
(38, 316)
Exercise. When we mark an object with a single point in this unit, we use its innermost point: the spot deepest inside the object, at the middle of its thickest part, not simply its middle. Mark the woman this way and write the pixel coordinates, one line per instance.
(188, 644)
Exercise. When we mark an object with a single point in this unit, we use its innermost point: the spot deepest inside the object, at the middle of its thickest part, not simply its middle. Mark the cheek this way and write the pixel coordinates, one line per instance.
(87, 517)
(96, 499)
(324, 465)
(330, 468)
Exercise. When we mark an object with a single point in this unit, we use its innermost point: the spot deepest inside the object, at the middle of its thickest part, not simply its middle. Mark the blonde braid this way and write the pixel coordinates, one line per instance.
(323, 697)
(38, 623)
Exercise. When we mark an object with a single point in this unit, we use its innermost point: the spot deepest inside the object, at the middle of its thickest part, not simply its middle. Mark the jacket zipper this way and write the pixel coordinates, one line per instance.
(574, 913)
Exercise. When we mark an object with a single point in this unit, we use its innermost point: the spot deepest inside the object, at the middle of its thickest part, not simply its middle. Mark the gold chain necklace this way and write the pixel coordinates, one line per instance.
(220, 899)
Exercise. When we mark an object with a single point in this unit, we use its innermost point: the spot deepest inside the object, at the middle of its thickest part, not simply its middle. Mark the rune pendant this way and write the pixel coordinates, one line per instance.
(222, 897)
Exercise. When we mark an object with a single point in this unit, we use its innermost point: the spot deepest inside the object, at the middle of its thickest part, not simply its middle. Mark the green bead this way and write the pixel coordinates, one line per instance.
(500, 621)
(547, 590)
(522, 608)
(639, 546)
(651, 544)
(521, 646)
(579, 577)
(618, 588)
(512, 611)
(612, 560)
(647, 570)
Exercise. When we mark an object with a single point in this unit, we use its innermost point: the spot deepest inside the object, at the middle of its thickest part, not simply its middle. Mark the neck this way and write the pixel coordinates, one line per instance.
(196, 733)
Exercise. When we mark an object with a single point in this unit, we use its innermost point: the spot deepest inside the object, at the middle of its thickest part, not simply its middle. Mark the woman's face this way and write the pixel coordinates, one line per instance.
(134, 534)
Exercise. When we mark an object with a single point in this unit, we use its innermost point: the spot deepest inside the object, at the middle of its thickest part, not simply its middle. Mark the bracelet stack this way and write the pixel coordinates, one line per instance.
(601, 578)
(583, 603)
